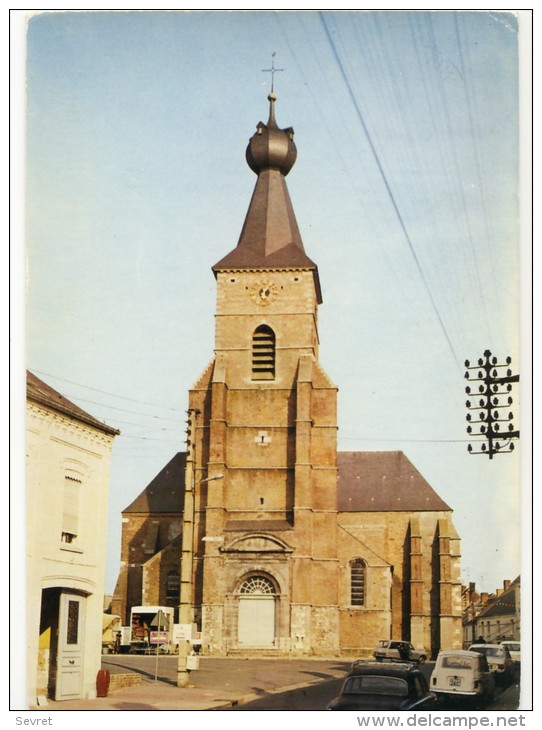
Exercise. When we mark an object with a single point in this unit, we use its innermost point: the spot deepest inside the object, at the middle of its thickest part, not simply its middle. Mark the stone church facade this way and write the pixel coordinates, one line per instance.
(290, 546)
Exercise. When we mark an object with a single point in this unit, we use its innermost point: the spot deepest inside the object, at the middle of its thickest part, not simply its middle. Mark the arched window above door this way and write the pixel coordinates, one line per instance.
(257, 584)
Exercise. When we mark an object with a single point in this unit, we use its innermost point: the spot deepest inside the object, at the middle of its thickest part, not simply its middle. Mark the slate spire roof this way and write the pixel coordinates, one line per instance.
(270, 237)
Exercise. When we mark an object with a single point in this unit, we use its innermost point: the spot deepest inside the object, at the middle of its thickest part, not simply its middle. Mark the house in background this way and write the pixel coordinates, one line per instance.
(67, 464)
(495, 617)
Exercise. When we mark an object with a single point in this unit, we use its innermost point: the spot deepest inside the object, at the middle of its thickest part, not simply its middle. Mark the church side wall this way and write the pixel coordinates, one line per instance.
(143, 535)
(403, 582)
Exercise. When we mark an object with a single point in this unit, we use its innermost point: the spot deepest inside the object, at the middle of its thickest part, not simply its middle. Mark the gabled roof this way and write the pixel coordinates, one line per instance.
(45, 395)
(383, 481)
(369, 481)
(503, 604)
(165, 493)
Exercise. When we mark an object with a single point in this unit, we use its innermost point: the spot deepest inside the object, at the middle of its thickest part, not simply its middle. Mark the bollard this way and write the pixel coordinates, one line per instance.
(102, 682)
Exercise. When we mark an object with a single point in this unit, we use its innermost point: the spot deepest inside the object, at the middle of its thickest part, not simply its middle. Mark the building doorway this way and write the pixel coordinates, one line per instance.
(60, 660)
(257, 613)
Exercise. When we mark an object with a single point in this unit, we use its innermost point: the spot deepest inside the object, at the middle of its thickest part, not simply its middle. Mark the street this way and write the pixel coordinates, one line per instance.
(275, 684)
(317, 697)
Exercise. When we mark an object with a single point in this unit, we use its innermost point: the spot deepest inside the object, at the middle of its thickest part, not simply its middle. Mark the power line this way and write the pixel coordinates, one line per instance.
(404, 441)
(446, 116)
(387, 185)
(104, 392)
(122, 410)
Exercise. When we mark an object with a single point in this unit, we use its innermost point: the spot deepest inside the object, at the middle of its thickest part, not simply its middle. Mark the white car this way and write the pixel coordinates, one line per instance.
(514, 647)
(398, 651)
(499, 660)
(462, 674)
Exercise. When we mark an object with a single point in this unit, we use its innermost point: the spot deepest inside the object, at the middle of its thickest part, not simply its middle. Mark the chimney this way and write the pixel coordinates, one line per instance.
(483, 598)
(506, 584)
(472, 587)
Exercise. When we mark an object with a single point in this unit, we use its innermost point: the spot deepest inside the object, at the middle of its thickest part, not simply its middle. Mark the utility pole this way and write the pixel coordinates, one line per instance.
(187, 661)
(485, 417)
(186, 601)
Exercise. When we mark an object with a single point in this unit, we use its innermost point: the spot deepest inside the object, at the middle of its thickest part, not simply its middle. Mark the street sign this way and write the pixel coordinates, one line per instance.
(183, 632)
(159, 637)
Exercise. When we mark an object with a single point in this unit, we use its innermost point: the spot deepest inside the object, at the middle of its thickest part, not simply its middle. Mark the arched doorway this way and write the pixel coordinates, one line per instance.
(257, 612)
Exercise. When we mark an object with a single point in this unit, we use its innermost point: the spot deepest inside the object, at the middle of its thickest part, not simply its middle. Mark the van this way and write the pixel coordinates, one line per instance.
(464, 674)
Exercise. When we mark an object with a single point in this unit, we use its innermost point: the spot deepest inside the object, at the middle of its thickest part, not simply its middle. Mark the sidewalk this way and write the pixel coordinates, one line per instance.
(219, 683)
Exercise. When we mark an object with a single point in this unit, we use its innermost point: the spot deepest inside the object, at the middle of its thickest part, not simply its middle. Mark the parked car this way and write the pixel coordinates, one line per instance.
(399, 651)
(499, 660)
(384, 686)
(462, 674)
(514, 647)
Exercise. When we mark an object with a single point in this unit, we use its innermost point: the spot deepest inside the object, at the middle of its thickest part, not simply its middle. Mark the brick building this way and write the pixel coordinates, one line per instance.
(290, 546)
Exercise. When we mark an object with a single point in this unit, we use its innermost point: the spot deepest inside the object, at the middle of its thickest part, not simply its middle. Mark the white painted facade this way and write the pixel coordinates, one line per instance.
(68, 459)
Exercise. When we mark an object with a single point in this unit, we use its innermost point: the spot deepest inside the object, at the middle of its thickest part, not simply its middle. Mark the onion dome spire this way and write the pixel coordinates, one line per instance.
(270, 237)
(271, 147)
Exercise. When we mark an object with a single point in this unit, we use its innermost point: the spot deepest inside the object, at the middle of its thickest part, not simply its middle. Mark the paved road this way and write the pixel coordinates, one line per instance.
(280, 684)
(245, 676)
(317, 697)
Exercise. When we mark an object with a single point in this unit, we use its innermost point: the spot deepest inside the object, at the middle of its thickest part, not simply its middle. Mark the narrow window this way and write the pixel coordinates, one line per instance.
(357, 582)
(263, 353)
(173, 585)
(70, 509)
(72, 628)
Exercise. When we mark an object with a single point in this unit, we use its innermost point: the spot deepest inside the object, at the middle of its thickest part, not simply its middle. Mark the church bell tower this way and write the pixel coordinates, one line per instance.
(264, 455)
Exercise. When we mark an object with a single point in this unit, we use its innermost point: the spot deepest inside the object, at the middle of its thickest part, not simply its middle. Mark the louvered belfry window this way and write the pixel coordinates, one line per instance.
(263, 353)
(357, 582)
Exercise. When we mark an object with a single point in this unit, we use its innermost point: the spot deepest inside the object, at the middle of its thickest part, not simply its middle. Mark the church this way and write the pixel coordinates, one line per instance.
(279, 543)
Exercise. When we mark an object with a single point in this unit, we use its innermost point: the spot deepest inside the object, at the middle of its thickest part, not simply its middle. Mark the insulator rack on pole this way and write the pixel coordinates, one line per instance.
(486, 416)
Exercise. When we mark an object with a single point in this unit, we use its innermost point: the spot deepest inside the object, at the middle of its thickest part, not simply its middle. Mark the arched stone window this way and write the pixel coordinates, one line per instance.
(263, 353)
(358, 576)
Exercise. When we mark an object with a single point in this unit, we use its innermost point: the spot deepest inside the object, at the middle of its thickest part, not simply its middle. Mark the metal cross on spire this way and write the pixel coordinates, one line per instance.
(272, 71)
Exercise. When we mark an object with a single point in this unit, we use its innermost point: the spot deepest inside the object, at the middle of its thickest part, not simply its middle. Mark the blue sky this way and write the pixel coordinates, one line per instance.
(406, 195)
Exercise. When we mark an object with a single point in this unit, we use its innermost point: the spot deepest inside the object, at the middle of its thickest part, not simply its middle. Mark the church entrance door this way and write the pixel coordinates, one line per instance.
(257, 619)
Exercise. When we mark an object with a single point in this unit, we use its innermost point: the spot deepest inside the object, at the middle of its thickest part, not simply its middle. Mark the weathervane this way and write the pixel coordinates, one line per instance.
(272, 71)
